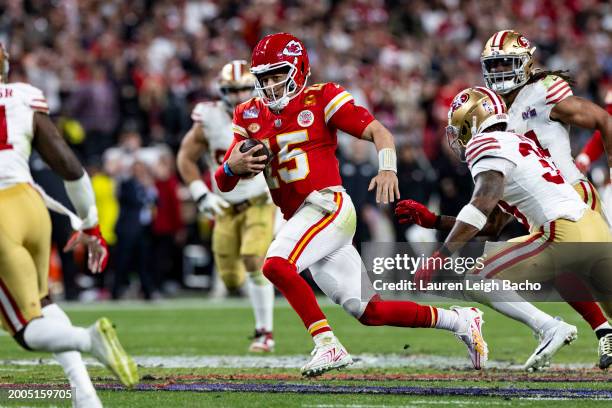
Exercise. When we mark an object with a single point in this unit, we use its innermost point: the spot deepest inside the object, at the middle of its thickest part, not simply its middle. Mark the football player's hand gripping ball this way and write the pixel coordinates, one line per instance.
(97, 249)
(247, 163)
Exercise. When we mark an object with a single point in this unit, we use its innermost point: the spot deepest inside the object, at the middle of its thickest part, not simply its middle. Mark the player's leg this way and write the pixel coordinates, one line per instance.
(525, 258)
(71, 361)
(589, 310)
(257, 227)
(20, 292)
(342, 277)
(226, 251)
(292, 252)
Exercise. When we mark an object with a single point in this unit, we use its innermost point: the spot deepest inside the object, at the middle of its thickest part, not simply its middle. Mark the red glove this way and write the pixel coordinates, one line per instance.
(413, 212)
(426, 273)
(97, 249)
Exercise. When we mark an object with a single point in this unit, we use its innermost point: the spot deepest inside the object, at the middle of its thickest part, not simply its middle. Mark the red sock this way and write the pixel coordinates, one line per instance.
(300, 296)
(380, 312)
(591, 312)
(571, 287)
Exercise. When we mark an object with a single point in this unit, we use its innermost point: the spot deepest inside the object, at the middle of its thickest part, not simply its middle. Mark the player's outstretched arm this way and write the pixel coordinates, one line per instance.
(58, 155)
(473, 217)
(577, 111)
(193, 146)
(54, 150)
(386, 183)
(413, 212)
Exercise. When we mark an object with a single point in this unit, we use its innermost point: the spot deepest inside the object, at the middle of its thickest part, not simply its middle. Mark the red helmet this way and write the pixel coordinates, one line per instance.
(276, 52)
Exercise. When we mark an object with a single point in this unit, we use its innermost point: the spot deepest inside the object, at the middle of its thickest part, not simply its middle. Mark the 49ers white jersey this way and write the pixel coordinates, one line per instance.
(18, 102)
(216, 123)
(534, 192)
(530, 116)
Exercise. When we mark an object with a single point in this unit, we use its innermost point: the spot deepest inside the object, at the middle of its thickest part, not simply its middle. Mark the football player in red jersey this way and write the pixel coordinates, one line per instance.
(298, 125)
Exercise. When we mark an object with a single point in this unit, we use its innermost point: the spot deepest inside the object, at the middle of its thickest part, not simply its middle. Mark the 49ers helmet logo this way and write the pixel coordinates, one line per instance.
(293, 49)
(523, 42)
(459, 100)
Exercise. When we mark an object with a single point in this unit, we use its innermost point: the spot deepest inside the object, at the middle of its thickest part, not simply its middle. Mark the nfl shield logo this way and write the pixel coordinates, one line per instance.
(278, 123)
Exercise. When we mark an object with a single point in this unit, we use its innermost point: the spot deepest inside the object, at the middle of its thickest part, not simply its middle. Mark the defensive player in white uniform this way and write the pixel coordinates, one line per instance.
(244, 217)
(512, 174)
(26, 310)
(542, 107)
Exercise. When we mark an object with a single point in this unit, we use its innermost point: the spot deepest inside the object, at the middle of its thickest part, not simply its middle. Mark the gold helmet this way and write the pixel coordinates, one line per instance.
(507, 61)
(472, 111)
(4, 64)
(235, 77)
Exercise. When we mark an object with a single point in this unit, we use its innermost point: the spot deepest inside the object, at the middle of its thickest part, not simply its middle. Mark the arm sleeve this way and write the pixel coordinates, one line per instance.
(224, 182)
(504, 166)
(558, 90)
(342, 113)
(35, 99)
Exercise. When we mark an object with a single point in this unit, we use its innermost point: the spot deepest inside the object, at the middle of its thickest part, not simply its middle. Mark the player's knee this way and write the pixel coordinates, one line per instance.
(276, 269)
(252, 263)
(230, 271)
(258, 278)
(355, 307)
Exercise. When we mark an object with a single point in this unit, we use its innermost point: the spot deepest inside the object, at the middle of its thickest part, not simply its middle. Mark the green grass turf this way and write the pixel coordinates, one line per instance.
(193, 328)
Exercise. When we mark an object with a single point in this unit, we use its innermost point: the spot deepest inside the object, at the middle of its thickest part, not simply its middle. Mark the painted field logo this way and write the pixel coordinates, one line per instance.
(305, 118)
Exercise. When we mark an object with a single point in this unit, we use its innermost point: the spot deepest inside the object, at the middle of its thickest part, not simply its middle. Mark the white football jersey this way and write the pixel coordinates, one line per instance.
(534, 192)
(18, 102)
(216, 123)
(530, 116)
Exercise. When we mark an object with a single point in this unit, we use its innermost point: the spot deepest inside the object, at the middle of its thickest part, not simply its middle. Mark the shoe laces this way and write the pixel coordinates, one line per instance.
(606, 344)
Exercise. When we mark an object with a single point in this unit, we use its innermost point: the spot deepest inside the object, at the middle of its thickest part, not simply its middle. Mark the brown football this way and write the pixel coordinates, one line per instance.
(251, 143)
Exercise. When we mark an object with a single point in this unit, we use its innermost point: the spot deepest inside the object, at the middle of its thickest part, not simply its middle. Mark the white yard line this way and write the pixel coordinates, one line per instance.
(362, 361)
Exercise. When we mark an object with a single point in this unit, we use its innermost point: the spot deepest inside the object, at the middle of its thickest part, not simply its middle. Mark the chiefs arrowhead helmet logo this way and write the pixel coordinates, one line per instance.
(293, 49)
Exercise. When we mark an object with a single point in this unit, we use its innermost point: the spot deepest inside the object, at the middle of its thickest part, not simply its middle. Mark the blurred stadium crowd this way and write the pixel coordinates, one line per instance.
(122, 77)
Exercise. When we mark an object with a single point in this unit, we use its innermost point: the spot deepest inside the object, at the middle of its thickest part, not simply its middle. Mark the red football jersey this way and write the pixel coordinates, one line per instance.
(303, 139)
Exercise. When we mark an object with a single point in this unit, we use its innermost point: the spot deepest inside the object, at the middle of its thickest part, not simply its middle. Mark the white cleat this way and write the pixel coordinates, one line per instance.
(472, 335)
(263, 342)
(551, 340)
(106, 348)
(86, 401)
(605, 351)
(327, 355)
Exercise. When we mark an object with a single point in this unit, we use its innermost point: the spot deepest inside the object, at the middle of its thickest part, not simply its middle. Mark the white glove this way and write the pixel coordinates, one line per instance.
(207, 202)
(211, 204)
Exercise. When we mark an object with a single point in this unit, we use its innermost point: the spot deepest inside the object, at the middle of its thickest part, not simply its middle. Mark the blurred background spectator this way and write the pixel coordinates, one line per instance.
(122, 77)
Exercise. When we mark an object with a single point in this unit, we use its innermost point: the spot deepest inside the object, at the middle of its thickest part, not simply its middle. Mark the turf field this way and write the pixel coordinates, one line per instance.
(192, 353)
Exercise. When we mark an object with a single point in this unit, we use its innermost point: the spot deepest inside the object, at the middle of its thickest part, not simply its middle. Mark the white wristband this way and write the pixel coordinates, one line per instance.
(473, 216)
(197, 188)
(387, 160)
(81, 195)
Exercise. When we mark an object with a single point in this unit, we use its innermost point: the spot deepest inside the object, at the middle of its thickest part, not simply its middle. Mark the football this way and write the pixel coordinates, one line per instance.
(251, 143)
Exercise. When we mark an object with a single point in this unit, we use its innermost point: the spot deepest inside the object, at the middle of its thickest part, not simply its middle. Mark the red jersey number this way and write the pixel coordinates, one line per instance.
(553, 175)
(4, 145)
